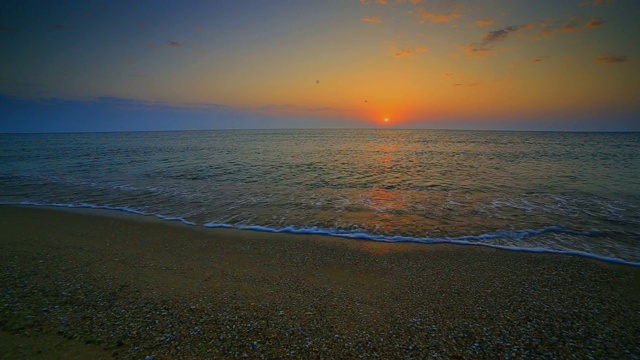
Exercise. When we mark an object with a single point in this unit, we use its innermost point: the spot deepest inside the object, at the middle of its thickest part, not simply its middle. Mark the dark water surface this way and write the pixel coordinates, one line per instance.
(562, 192)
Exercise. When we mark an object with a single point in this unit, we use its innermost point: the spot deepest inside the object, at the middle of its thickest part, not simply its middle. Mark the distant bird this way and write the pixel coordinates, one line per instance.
(317, 81)
(365, 101)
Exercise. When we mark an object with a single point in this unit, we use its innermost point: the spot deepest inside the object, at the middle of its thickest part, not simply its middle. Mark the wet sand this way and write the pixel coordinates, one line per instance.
(91, 284)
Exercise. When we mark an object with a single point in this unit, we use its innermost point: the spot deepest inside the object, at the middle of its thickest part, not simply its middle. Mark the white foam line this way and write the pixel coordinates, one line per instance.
(461, 240)
(106, 207)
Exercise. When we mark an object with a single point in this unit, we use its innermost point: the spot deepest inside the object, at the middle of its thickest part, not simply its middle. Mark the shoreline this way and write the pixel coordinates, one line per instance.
(129, 288)
(134, 215)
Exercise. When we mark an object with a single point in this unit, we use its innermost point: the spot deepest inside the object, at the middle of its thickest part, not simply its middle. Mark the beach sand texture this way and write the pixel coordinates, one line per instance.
(77, 285)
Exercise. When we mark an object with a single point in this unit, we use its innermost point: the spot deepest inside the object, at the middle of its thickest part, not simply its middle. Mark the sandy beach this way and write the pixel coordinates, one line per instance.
(90, 284)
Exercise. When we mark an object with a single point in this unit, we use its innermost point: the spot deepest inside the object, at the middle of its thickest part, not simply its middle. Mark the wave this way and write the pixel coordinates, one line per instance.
(461, 240)
(477, 240)
(105, 207)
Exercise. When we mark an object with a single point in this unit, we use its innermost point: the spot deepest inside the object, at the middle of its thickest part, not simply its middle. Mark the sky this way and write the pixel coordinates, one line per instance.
(170, 65)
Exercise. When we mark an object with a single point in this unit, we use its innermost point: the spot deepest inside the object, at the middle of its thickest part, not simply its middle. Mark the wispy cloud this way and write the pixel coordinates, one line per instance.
(406, 50)
(444, 12)
(486, 46)
(611, 59)
(368, 2)
(475, 83)
(433, 17)
(447, 74)
(499, 35)
(570, 27)
(372, 19)
(550, 27)
(537, 60)
(595, 22)
(174, 44)
(484, 22)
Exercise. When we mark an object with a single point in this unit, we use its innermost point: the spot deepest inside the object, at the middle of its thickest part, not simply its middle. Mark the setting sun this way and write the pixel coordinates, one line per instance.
(386, 119)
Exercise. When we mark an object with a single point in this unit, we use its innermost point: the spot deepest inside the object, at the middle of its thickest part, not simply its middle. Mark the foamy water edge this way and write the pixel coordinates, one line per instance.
(360, 235)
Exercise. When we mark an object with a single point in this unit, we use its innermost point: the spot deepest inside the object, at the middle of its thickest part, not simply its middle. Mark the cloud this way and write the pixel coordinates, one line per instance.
(372, 19)
(445, 13)
(485, 22)
(174, 44)
(447, 74)
(611, 59)
(595, 22)
(404, 52)
(433, 17)
(475, 83)
(549, 28)
(489, 39)
(499, 35)
(536, 60)
(6, 29)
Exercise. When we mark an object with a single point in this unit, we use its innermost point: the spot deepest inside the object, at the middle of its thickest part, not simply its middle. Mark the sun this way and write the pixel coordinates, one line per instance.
(386, 120)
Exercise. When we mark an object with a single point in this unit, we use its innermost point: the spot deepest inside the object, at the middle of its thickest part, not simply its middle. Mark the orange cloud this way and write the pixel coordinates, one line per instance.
(372, 19)
(404, 52)
(595, 22)
(485, 22)
(443, 16)
(551, 27)
(570, 28)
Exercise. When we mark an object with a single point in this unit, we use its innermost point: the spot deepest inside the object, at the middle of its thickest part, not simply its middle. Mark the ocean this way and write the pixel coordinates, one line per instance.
(572, 193)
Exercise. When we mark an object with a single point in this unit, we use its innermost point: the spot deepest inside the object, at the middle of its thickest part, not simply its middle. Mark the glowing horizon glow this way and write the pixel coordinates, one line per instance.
(437, 64)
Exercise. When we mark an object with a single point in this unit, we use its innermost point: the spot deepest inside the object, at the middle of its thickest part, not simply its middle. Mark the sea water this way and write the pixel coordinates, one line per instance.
(576, 193)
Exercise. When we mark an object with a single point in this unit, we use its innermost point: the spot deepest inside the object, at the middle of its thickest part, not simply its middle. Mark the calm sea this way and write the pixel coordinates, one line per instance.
(560, 192)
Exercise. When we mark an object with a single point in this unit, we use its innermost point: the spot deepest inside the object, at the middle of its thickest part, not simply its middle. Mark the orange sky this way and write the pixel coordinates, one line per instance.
(418, 63)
